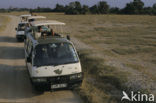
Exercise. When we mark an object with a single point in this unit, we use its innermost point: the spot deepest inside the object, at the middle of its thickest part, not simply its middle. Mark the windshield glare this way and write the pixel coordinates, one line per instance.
(54, 54)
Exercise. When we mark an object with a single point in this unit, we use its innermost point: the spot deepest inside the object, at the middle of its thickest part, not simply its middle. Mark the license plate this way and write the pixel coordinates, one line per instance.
(55, 86)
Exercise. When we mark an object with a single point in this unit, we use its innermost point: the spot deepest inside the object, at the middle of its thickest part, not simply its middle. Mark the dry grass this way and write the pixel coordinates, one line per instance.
(134, 50)
(142, 69)
(102, 83)
(3, 22)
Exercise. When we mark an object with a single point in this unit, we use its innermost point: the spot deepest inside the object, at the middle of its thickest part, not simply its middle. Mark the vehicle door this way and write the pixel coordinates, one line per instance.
(29, 58)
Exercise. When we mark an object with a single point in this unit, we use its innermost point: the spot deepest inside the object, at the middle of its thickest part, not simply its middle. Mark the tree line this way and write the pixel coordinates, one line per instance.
(102, 7)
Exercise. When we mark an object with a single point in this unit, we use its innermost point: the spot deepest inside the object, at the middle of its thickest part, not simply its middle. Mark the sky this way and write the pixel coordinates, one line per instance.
(52, 3)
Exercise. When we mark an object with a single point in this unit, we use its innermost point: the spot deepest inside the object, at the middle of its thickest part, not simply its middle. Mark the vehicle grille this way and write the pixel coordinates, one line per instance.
(59, 79)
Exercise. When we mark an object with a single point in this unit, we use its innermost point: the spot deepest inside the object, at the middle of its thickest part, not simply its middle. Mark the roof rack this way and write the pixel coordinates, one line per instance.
(37, 17)
(26, 15)
(47, 22)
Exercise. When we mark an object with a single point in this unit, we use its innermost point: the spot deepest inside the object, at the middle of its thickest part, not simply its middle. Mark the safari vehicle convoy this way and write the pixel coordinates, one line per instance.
(25, 21)
(51, 59)
(20, 31)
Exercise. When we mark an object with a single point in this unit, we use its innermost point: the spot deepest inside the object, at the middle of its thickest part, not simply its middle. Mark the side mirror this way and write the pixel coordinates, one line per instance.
(16, 29)
(68, 37)
(29, 59)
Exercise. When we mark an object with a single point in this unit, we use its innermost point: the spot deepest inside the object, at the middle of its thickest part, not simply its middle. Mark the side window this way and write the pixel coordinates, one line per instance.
(30, 54)
(27, 44)
(29, 47)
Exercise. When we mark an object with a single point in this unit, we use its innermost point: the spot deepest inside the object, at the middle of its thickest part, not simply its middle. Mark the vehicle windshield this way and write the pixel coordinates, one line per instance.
(21, 27)
(54, 54)
(31, 20)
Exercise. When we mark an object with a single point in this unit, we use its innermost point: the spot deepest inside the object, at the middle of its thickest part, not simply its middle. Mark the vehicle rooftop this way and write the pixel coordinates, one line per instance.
(47, 22)
(53, 40)
(37, 17)
(26, 15)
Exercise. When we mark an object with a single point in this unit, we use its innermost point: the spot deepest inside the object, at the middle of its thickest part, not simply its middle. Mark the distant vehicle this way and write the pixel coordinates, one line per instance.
(45, 28)
(30, 18)
(25, 23)
(51, 59)
(34, 18)
(24, 18)
(20, 31)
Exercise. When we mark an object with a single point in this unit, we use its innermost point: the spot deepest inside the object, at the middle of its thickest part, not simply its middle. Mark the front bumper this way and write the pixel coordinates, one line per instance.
(46, 82)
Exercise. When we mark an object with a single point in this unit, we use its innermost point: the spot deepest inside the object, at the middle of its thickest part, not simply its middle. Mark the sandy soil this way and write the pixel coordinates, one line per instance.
(15, 85)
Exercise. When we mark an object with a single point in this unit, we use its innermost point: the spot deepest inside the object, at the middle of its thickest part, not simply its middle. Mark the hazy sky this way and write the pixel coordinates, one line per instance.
(52, 3)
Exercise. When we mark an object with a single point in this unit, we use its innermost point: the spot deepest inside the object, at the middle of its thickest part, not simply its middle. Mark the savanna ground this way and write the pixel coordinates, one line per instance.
(119, 53)
(3, 22)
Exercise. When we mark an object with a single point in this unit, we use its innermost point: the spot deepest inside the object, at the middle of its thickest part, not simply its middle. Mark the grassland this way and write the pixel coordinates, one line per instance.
(3, 22)
(121, 53)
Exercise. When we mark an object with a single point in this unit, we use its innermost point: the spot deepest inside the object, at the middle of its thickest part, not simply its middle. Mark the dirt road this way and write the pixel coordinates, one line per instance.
(14, 80)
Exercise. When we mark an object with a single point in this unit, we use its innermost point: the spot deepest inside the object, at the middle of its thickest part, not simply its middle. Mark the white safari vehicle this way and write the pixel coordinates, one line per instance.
(24, 17)
(20, 31)
(51, 59)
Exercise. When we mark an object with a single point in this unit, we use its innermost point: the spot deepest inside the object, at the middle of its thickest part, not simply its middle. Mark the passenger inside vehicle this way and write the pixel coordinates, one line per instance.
(21, 27)
(38, 33)
(43, 31)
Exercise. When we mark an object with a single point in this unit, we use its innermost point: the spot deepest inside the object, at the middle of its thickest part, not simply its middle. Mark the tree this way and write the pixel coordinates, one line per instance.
(154, 9)
(85, 9)
(129, 9)
(78, 6)
(94, 9)
(103, 7)
(148, 10)
(68, 9)
(114, 10)
(59, 8)
(74, 8)
(135, 7)
(154, 6)
(139, 5)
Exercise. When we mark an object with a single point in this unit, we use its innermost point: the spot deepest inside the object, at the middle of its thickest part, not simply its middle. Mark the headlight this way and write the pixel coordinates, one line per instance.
(76, 76)
(39, 80)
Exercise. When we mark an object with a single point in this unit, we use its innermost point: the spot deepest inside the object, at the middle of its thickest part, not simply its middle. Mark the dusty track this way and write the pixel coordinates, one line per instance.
(14, 80)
